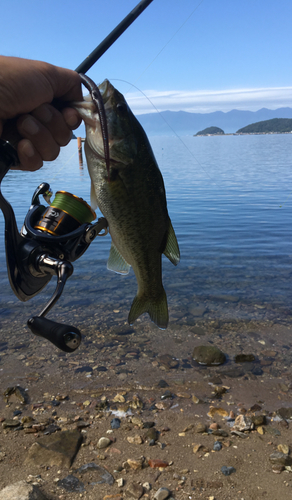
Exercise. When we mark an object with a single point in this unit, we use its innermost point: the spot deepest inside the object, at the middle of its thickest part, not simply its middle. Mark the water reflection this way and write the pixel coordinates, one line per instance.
(234, 238)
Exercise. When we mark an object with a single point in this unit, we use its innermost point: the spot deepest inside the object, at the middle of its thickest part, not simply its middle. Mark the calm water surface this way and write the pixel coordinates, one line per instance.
(230, 201)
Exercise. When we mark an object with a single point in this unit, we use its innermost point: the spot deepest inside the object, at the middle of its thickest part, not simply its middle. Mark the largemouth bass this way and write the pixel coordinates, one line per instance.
(129, 190)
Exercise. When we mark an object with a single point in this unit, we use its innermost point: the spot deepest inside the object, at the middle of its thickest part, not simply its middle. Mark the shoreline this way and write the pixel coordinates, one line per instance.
(243, 133)
(120, 372)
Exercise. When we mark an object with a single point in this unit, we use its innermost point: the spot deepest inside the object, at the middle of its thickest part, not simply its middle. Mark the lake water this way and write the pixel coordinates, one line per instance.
(230, 201)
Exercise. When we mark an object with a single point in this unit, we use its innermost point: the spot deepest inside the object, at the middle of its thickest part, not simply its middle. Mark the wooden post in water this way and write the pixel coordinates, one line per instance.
(79, 145)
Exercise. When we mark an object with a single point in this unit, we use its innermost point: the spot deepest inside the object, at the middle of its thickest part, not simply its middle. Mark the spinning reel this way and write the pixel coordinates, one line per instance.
(50, 239)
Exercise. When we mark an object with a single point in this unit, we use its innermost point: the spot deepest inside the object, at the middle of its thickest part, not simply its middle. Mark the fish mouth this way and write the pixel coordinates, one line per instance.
(106, 90)
(108, 142)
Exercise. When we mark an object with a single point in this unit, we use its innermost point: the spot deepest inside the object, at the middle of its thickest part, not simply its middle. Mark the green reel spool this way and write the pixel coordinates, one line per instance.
(66, 213)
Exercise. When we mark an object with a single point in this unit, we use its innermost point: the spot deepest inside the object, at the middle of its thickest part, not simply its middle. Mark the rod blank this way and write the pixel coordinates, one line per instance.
(112, 37)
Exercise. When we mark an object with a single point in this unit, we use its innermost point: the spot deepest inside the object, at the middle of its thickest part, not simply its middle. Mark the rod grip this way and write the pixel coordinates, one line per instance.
(65, 337)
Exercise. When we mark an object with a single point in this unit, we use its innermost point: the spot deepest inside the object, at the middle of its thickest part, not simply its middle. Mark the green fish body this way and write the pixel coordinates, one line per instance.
(131, 196)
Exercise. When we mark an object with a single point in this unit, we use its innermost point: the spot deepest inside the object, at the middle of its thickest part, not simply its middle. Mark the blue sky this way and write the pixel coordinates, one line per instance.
(191, 55)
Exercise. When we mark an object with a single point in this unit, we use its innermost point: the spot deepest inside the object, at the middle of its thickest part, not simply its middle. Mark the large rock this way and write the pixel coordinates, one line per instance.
(162, 494)
(280, 458)
(57, 449)
(21, 491)
(243, 423)
(167, 361)
(208, 355)
(285, 413)
(134, 491)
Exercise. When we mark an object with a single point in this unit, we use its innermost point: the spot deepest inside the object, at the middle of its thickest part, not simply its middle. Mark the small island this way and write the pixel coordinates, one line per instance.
(274, 126)
(211, 131)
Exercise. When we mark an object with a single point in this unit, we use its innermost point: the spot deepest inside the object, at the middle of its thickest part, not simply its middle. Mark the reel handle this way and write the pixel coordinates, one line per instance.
(46, 246)
(65, 337)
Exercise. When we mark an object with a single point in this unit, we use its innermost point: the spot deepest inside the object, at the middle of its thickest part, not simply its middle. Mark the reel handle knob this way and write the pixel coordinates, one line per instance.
(65, 337)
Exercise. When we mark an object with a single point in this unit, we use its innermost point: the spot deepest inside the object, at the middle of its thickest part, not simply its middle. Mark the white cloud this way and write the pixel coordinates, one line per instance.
(207, 101)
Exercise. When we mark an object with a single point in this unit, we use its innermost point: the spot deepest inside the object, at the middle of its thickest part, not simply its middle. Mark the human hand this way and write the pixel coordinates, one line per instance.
(27, 116)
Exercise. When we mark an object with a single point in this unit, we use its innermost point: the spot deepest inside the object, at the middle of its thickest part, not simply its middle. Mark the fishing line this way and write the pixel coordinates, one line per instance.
(281, 206)
(161, 50)
(62, 168)
(153, 105)
(162, 117)
(158, 54)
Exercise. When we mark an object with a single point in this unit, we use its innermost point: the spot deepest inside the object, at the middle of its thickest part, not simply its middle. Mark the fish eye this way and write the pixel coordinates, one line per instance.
(122, 108)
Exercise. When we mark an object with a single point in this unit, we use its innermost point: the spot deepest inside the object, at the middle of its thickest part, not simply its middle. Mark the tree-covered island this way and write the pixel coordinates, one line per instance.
(274, 126)
(211, 131)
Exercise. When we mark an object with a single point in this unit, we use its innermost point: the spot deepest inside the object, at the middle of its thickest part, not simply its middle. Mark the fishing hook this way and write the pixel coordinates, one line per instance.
(98, 101)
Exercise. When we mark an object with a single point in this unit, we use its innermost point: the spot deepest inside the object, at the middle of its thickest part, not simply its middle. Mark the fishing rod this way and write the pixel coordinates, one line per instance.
(112, 37)
(52, 236)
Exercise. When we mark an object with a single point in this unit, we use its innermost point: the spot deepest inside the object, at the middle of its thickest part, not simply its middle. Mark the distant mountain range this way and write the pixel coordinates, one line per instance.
(184, 123)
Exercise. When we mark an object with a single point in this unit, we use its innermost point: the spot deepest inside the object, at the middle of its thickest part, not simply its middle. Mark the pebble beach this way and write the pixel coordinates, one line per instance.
(191, 413)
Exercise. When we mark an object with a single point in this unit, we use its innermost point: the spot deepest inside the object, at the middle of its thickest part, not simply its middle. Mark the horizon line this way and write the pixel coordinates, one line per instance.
(208, 101)
(211, 112)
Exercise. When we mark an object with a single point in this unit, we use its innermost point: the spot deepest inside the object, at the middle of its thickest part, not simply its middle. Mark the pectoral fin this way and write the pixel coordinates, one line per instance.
(93, 198)
(116, 261)
(171, 249)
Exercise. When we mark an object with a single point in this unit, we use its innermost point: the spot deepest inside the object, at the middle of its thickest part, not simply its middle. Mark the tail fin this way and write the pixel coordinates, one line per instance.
(156, 308)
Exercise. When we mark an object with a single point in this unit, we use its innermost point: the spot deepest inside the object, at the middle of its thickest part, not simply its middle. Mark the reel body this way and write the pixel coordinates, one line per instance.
(52, 237)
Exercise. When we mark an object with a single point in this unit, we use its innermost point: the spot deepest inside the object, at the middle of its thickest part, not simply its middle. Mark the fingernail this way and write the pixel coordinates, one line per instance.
(28, 149)
(71, 119)
(30, 126)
